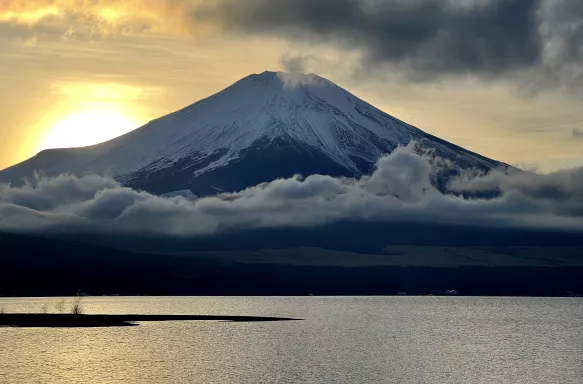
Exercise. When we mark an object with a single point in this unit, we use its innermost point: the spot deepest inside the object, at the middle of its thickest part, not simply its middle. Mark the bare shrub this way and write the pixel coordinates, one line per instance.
(77, 308)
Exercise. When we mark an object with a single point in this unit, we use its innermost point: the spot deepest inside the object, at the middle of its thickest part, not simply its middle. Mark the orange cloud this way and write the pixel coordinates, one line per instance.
(108, 16)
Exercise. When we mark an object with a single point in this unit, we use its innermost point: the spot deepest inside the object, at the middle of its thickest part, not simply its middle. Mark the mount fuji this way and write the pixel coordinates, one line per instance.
(263, 127)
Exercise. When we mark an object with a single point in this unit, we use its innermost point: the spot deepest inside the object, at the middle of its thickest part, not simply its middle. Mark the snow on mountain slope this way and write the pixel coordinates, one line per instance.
(262, 127)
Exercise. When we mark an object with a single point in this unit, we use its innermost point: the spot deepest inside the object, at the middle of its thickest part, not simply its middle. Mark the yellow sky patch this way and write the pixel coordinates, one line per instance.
(108, 16)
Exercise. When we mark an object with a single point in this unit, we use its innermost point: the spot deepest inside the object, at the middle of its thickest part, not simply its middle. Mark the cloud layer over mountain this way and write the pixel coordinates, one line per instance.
(399, 190)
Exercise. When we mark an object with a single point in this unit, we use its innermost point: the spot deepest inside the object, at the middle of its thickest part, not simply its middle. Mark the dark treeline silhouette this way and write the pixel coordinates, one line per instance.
(36, 266)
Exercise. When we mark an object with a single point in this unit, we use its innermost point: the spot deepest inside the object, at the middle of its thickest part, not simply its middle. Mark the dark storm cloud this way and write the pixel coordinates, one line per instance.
(428, 38)
(433, 36)
(400, 190)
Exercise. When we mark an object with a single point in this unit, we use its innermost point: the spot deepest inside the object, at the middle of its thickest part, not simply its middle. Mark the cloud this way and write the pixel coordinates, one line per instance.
(559, 193)
(426, 38)
(400, 190)
(536, 42)
(577, 133)
(432, 36)
(296, 63)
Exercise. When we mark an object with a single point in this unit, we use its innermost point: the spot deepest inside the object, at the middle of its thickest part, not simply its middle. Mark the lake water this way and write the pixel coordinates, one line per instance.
(340, 340)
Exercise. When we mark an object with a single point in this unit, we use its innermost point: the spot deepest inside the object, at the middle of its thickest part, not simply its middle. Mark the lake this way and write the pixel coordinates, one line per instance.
(341, 340)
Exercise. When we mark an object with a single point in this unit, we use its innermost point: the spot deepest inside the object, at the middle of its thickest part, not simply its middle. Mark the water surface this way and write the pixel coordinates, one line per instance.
(341, 340)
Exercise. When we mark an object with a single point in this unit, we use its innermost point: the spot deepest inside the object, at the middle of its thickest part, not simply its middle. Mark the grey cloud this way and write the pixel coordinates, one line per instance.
(295, 63)
(399, 190)
(560, 193)
(536, 40)
(577, 133)
(46, 194)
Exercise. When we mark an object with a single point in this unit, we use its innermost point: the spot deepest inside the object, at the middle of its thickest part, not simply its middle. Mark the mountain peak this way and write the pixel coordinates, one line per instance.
(285, 80)
(307, 77)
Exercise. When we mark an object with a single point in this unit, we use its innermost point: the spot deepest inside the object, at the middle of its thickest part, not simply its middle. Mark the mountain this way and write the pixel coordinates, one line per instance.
(263, 127)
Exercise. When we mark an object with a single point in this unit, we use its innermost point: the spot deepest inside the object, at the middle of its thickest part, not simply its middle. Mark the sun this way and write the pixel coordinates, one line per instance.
(86, 128)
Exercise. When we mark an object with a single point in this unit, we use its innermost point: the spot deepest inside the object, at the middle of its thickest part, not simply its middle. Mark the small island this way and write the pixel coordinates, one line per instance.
(68, 320)
(76, 318)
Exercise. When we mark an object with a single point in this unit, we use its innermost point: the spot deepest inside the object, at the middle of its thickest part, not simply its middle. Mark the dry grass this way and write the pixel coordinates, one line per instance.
(60, 306)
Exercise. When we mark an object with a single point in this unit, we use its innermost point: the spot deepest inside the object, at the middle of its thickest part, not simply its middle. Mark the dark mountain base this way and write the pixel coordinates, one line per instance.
(269, 160)
(264, 162)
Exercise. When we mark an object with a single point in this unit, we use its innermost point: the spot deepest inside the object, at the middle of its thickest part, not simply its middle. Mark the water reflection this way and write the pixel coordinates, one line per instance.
(348, 340)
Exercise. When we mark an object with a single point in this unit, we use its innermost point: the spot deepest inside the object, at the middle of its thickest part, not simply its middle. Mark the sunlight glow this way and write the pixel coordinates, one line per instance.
(86, 128)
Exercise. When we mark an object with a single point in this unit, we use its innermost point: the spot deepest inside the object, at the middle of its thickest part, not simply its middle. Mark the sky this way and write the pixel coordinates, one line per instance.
(499, 77)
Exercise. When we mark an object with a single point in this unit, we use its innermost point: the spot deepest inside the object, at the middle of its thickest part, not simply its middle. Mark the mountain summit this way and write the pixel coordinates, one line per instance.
(263, 127)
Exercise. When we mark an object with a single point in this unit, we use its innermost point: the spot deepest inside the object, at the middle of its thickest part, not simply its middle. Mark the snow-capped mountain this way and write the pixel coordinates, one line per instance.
(262, 127)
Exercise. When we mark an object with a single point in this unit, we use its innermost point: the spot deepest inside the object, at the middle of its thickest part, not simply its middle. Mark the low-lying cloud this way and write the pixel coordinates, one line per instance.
(400, 190)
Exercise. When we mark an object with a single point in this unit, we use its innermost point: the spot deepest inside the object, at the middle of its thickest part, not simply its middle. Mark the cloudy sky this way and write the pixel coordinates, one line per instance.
(500, 77)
